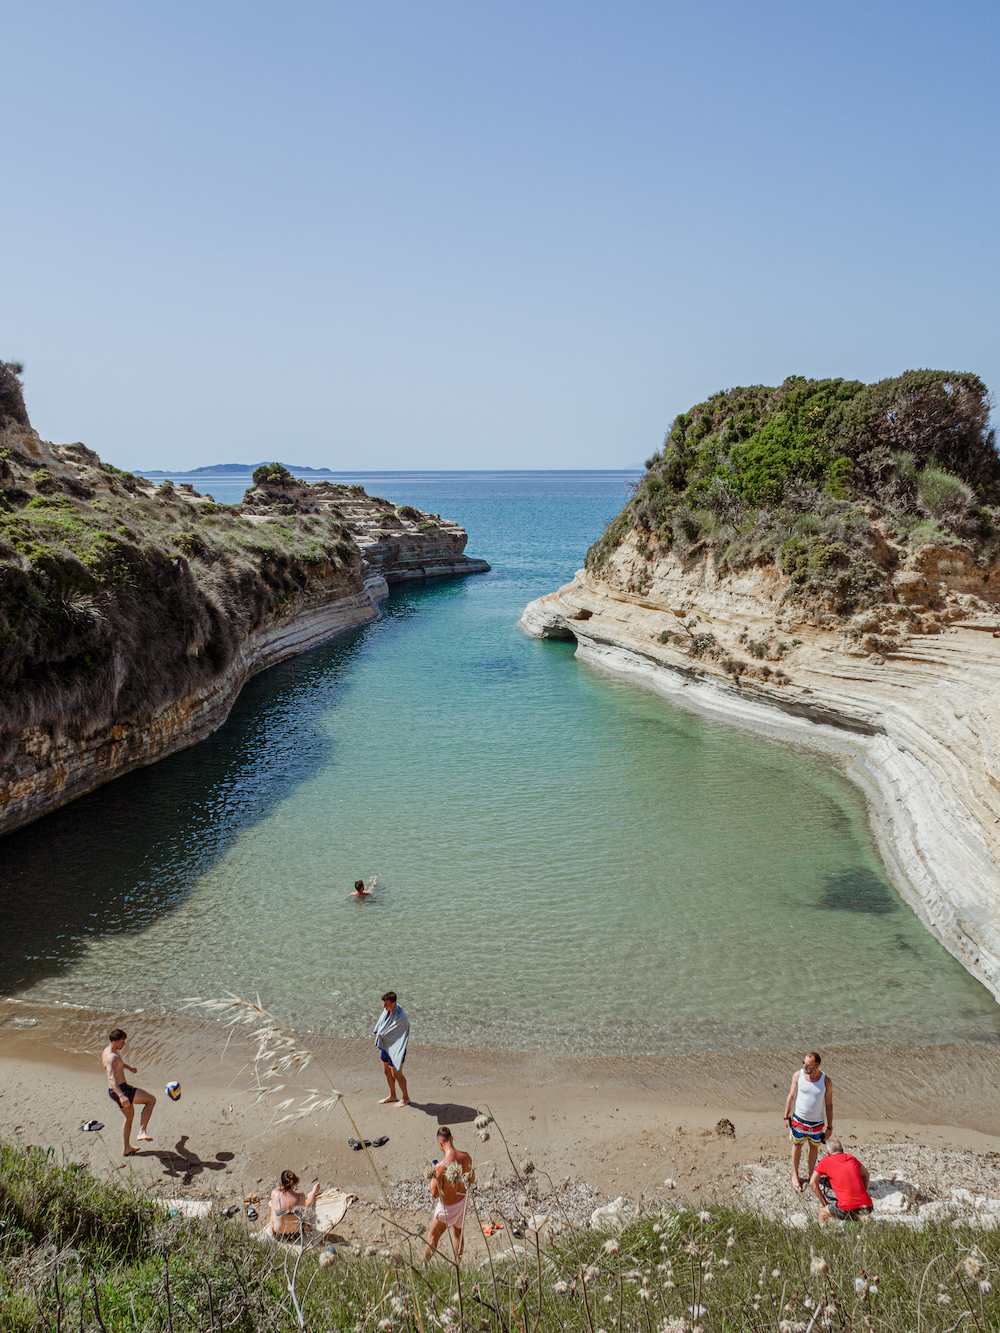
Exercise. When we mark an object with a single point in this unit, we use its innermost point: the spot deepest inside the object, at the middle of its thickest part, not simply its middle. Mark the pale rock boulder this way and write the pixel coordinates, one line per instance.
(611, 1216)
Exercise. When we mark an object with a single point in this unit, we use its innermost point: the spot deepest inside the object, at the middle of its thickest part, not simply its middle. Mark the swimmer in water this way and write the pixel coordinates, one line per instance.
(363, 890)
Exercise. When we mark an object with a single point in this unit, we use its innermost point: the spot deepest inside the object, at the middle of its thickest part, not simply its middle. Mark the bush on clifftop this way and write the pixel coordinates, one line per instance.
(800, 474)
(12, 408)
(272, 474)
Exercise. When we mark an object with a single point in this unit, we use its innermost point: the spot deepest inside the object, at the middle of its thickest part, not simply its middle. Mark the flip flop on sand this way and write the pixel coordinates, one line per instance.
(377, 1143)
(353, 1143)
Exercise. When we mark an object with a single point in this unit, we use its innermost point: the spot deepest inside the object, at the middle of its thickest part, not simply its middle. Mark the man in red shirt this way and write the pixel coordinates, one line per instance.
(840, 1183)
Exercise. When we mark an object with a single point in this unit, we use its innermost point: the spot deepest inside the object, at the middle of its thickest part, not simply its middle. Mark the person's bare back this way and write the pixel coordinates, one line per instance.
(449, 1190)
(284, 1221)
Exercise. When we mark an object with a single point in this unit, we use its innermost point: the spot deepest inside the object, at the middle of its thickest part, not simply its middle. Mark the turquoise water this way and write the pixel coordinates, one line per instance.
(566, 862)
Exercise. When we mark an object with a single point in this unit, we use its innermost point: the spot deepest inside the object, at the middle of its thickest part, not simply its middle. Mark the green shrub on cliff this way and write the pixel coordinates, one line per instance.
(272, 474)
(12, 408)
(801, 473)
(114, 602)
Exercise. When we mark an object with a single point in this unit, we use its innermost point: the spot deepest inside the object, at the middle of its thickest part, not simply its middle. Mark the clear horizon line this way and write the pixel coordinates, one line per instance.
(386, 472)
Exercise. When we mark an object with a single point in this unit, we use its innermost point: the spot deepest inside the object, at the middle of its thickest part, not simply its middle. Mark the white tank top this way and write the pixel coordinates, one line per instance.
(810, 1099)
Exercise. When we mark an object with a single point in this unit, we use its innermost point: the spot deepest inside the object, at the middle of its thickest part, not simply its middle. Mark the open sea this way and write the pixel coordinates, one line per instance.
(565, 862)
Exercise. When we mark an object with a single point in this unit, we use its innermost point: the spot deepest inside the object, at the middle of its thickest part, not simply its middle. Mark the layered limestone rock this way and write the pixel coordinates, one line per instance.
(131, 614)
(51, 767)
(904, 697)
(397, 542)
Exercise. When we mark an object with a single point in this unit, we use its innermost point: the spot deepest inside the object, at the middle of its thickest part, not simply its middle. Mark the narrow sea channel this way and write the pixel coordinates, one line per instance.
(565, 862)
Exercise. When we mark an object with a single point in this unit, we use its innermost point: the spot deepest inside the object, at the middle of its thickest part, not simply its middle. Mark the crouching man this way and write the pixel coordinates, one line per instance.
(840, 1182)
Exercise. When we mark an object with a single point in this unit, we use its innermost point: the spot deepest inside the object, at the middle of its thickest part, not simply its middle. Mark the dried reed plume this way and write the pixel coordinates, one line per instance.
(279, 1051)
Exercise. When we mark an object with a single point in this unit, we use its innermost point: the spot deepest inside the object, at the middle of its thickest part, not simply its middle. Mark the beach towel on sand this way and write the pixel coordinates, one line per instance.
(392, 1032)
(331, 1206)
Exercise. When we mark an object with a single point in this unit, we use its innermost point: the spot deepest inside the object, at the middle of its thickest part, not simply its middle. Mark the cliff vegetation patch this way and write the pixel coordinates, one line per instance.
(118, 596)
(832, 481)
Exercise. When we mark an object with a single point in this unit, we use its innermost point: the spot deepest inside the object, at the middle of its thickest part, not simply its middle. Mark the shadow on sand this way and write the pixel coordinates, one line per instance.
(447, 1113)
(184, 1164)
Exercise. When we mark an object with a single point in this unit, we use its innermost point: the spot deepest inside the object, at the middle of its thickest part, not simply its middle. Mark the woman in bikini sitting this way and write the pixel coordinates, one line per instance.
(284, 1223)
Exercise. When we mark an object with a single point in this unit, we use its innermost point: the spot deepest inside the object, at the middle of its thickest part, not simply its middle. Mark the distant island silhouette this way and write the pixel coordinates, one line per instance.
(226, 469)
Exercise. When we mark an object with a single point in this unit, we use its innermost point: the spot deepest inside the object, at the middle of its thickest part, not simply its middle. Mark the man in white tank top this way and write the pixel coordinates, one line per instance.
(808, 1114)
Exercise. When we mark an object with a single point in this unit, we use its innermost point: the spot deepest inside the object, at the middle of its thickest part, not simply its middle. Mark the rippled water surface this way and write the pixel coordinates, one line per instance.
(565, 862)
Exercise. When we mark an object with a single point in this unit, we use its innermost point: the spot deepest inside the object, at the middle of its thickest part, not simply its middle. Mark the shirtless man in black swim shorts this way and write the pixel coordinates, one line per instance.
(124, 1094)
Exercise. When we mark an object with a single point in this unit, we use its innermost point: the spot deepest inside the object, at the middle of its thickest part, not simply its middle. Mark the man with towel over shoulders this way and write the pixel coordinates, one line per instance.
(392, 1032)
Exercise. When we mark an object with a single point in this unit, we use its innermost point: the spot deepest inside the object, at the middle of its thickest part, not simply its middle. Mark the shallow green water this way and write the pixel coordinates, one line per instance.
(565, 861)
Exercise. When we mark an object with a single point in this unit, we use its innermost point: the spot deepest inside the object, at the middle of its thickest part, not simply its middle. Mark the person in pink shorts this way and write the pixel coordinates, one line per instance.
(453, 1174)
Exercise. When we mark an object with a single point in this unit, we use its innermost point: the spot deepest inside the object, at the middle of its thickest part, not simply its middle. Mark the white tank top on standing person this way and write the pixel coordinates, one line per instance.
(810, 1099)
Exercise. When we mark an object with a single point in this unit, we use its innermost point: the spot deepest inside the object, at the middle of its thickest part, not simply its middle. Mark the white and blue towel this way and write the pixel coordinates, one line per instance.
(392, 1032)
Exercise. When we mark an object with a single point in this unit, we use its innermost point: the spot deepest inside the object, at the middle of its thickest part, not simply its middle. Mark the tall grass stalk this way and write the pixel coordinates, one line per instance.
(281, 1051)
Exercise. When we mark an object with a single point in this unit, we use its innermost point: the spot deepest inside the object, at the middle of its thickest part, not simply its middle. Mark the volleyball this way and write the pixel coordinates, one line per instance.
(174, 1091)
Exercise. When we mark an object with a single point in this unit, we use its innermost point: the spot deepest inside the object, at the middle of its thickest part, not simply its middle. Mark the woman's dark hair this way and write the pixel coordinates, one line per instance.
(390, 995)
(359, 884)
(289, 1180)
(116, 1034)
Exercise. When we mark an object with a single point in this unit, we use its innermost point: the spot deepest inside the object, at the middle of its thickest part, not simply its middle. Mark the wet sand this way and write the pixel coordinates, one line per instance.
(623, 1126)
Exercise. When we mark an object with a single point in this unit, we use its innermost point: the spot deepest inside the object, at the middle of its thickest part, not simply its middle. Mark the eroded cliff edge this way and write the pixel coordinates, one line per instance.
(883, 660)
(131, 615)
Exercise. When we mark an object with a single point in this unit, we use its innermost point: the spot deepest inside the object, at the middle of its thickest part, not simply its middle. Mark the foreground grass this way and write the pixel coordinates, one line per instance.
(77, 1254)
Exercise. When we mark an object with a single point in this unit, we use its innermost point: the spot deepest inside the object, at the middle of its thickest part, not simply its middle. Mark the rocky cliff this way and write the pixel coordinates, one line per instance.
(397, 542)
(884, 661)
(131, 614)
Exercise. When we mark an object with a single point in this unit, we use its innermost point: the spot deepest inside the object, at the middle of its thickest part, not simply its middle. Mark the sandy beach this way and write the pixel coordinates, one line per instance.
(598, 1129)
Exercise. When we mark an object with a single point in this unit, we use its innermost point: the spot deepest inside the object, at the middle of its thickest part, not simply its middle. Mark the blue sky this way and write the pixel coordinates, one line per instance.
(462, 234)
